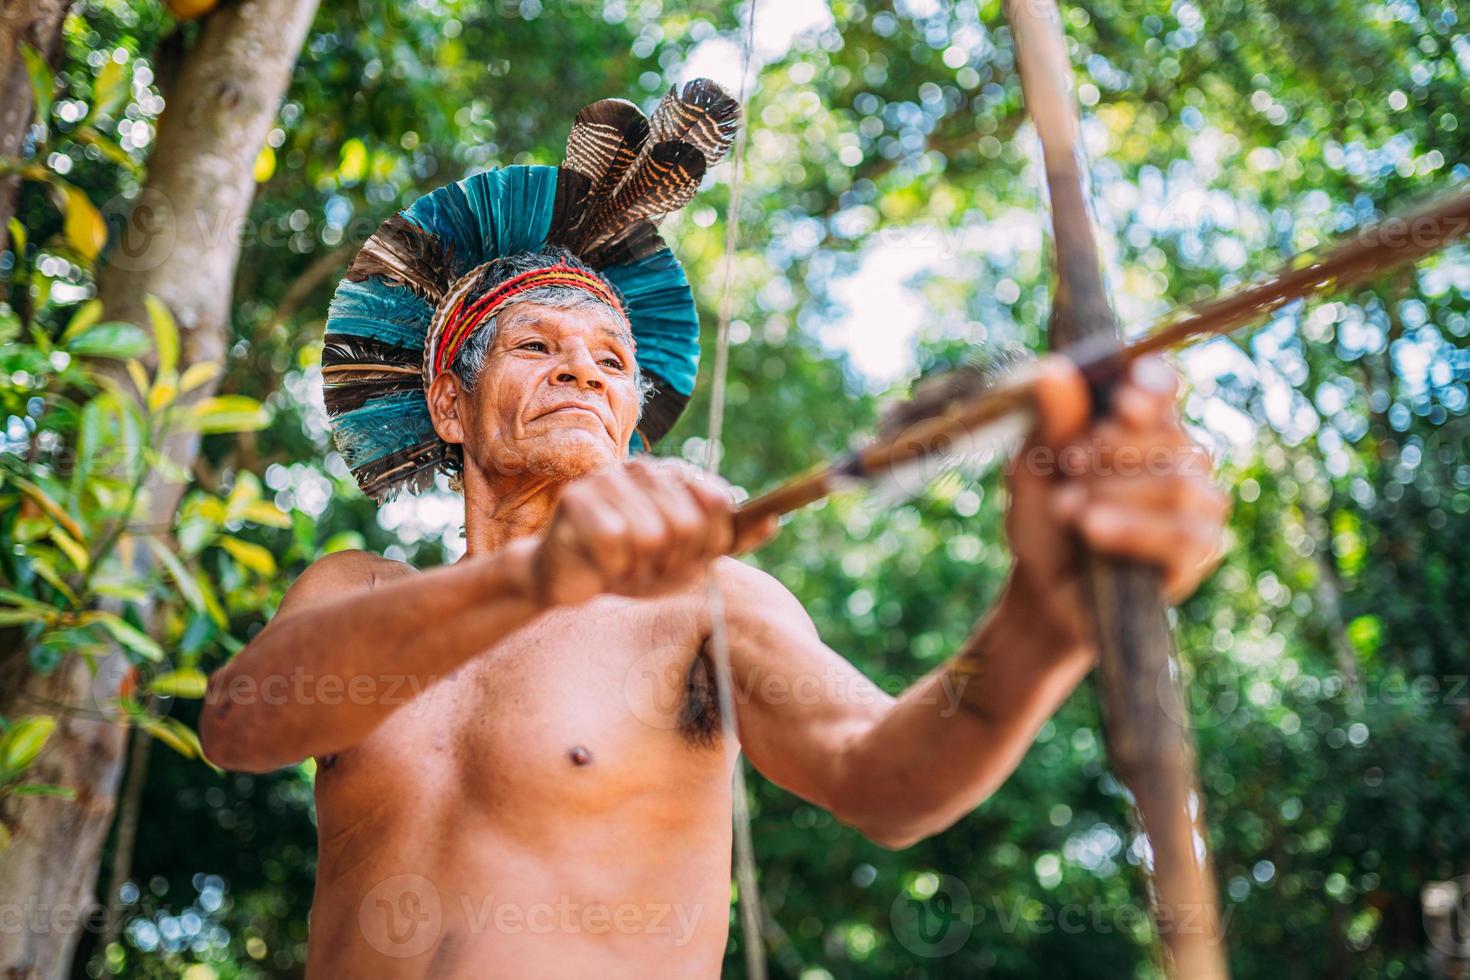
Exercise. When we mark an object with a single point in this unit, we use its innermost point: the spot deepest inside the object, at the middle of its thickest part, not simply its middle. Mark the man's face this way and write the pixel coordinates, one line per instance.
(557, 396)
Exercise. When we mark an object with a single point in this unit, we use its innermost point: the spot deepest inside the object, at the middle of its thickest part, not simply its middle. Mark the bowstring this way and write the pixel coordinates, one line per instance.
(750, 904)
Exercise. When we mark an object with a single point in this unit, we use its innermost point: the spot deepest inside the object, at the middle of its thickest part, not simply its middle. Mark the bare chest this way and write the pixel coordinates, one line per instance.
(582, 711)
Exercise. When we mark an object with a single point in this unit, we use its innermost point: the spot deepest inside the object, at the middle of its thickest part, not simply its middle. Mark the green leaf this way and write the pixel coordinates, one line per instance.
(119, 340)
(17, 236)
(106, 146)
(1365, 633)
(127, 591)
(43, 789)
(24, 741)
(165, 334)
(84, 318)
(24, 601)
(186, 682)
(188, 587)
(43, 81)
(229, 413)
(14, 617)
(42, 566)
(344, 541)
(249, 554)
(128, 635)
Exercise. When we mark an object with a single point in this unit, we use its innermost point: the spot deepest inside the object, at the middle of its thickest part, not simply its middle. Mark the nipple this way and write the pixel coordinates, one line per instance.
(579, 755)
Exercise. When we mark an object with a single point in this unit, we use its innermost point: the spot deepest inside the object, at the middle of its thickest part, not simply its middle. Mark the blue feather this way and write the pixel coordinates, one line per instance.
(522, 198)
(384, 425)
(372, 308)
(665, 320)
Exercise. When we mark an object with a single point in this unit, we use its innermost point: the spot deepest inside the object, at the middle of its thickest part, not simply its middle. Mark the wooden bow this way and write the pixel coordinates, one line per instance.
(1149, 743)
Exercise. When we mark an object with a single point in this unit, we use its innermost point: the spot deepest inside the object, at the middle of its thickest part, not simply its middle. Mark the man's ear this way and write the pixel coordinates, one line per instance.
(447, 402)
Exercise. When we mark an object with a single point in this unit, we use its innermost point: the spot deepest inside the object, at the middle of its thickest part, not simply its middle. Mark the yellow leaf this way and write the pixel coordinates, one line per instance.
(249, 554)
(73, 549)
(84, 228)
(24, 741)
(51, 507)
(110, 86)
(229, 413)
(174, 734)
(267, 513)
(354, 161)
(198, 374)
(86, 316)
(265, 164)
(163, 393)
(211, 601)
(245, 492)
(186, 682)
(165, 334)
(139, 376)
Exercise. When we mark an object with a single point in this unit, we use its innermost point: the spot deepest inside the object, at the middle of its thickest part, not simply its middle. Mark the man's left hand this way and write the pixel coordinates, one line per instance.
(1131, 484)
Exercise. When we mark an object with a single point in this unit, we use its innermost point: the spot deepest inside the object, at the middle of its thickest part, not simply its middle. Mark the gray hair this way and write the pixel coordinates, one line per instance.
(469, 362)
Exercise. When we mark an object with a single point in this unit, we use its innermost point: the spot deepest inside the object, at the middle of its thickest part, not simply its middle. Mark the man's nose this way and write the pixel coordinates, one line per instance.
(578, 368)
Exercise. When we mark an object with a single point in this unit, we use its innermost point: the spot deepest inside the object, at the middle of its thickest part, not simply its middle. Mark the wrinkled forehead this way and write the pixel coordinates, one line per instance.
(591, 319)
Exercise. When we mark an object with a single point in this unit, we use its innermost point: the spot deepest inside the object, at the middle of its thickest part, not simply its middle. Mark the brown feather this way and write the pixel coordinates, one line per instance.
(703, 115)
(404, 254)
(665, 182)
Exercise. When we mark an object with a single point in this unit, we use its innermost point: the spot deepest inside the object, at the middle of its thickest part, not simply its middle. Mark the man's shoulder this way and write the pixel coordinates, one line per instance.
(348, 571)
(751, 593)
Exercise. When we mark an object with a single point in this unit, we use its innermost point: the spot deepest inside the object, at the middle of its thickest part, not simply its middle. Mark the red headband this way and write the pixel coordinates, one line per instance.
(465, 319)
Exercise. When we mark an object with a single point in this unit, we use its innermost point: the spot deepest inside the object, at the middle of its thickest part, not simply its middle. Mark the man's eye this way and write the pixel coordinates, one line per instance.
(535, 345)
(613, 362)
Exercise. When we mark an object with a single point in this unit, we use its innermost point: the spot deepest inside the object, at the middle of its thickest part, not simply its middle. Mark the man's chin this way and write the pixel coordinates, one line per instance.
(569, 454)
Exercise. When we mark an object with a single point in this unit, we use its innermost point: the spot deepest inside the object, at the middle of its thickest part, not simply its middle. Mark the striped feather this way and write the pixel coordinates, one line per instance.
(402, 253)
(605, 140)
(703, 115)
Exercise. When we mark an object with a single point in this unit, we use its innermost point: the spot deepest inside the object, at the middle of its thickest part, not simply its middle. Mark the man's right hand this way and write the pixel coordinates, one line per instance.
(647, 528)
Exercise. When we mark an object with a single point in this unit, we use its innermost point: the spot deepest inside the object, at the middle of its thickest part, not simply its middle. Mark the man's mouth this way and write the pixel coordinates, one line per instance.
(576, 408)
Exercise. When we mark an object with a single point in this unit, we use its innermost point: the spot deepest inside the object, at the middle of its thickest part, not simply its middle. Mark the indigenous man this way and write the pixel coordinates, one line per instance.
(522, 768)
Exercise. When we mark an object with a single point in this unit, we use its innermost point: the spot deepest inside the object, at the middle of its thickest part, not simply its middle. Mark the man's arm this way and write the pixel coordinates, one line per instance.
(902, 770)
(898, 769)
(358, 636)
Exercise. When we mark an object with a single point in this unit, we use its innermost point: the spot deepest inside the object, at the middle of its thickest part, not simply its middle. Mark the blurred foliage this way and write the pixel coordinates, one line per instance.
(1327, 659)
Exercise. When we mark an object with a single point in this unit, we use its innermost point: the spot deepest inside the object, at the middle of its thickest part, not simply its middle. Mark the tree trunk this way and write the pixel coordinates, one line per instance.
(37, 23)
(181, 245)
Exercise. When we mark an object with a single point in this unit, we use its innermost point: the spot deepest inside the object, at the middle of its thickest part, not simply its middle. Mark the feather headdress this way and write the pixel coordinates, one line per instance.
(622, 173)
